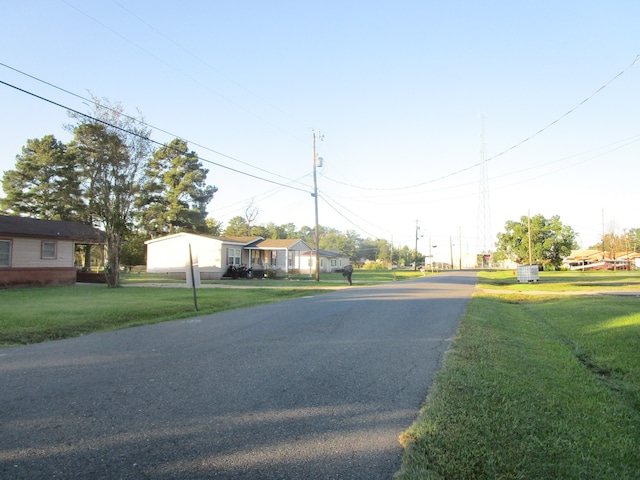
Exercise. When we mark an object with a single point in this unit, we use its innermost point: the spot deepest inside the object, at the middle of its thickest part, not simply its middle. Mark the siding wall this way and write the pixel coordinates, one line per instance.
(172, 255)
(27, 253)
(29, 268)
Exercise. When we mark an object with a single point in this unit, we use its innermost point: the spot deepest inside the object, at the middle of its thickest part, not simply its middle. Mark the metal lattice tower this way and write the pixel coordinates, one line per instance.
(484, 213)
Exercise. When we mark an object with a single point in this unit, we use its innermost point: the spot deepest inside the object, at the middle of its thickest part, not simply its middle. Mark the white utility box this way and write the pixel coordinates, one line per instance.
(528, 273)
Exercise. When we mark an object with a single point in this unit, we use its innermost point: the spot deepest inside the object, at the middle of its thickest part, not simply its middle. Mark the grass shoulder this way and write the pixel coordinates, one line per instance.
(563, 281)
(534, 387)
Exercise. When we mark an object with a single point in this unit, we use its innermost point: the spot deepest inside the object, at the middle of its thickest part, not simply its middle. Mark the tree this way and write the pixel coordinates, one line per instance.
(251, 212)
(405, 255)
(44, 183)
(308, 235)
(551, 241)
(133, 250)
(259, 231)
(175, 195)
(214, 227)
(344, 243)
(112, 149)
(238, 227)
(367, 249)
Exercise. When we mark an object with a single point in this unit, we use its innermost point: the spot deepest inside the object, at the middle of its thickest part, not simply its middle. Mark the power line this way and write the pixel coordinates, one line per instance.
(513, 147)
(146, 138)
(138, 120)
(198, 58)
(195, 80)
(326, 200)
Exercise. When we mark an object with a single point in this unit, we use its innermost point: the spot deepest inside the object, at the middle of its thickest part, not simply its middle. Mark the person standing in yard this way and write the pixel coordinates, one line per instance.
(347, 272)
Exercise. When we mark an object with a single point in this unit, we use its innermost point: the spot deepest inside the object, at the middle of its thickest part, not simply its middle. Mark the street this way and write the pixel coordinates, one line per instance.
(313, 388)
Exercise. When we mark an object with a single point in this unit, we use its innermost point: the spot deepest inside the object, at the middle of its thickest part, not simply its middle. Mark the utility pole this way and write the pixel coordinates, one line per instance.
(451, 250)
(460, 245)
(415, 252)
(315, 196)
(530, 244)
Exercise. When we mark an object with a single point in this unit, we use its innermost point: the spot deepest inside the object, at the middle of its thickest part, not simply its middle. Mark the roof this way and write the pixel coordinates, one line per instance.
(241, 240)
(244, 241)
(33, 227)
(279, 243)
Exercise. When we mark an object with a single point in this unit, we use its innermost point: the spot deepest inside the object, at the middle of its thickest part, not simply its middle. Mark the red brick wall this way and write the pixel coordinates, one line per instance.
(10, 277)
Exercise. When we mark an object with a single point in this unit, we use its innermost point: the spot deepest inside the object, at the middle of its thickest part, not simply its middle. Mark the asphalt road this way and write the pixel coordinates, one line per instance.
(313, 388)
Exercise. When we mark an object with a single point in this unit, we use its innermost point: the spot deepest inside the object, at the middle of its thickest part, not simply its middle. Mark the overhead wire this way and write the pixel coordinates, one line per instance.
(626, 142)
(226, 167)
(151, 54)
(513, 147)
(328, 201)
(140, 122)
(344, 216)
(198, 58)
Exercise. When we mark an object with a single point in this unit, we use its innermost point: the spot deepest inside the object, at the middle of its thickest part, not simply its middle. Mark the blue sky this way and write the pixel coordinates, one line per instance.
(400, 90)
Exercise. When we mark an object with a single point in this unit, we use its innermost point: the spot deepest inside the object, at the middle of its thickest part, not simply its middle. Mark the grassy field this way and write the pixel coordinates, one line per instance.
(535, 387)
(567, 281)
(32, 315)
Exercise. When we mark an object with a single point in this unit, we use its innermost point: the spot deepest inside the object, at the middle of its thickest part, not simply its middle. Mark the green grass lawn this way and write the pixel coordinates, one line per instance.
(32, 315)
(566, 281)
(534, 387)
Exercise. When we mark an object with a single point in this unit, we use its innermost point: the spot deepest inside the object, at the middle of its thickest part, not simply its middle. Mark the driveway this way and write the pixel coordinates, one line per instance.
(316, 387)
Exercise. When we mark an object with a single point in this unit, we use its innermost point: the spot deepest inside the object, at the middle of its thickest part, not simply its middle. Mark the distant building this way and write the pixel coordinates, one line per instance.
(600, 260)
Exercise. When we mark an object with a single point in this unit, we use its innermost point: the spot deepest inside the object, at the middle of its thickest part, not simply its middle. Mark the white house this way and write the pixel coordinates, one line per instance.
(211, 255)
(329, 261)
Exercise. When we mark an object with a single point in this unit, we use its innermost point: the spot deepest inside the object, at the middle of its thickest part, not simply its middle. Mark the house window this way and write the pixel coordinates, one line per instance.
(334, 262)
(233, 256)
(49, 250)
(5, 253)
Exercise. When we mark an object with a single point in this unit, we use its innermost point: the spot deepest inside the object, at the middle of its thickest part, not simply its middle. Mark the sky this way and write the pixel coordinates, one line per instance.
(453, 117)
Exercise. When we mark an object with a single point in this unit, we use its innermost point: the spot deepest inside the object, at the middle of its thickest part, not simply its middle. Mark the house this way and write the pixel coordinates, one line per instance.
(282, 255)
(41, 252)
(212, 256)
(330, 261)
(173, 254)
(594, 259)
